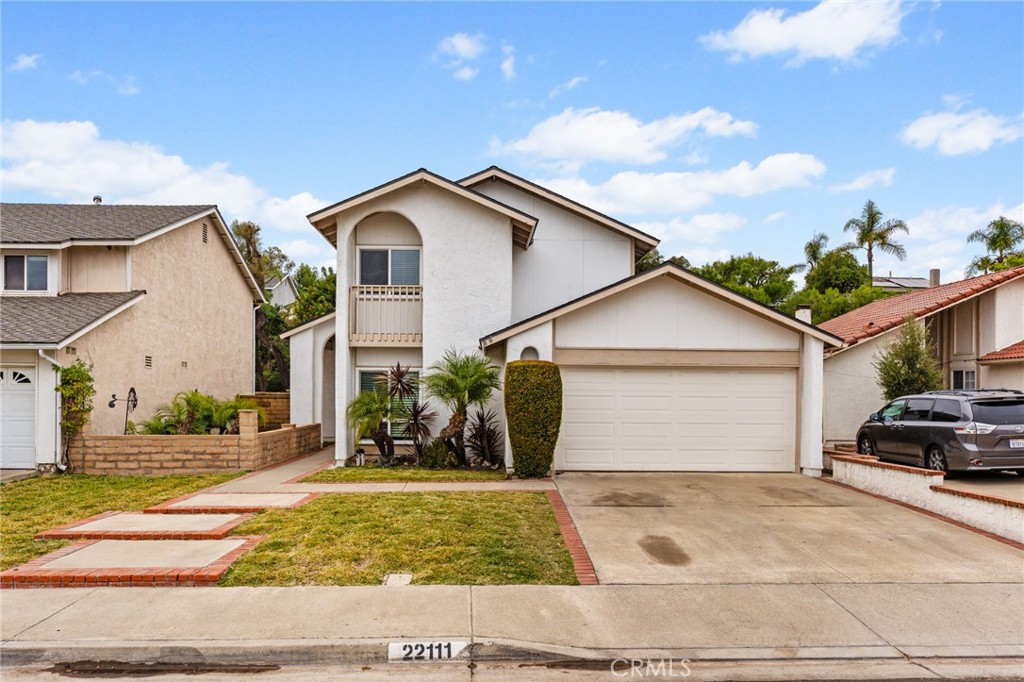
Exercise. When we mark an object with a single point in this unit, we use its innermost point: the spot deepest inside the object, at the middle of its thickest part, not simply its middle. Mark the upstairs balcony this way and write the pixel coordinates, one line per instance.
(385, 315)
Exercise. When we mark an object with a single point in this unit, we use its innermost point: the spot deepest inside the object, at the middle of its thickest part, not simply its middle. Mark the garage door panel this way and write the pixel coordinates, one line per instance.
(675, 419)
(17, 417)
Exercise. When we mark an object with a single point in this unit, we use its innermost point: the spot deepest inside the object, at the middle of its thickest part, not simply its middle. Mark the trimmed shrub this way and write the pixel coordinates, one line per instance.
(533, 414)
(436, 456)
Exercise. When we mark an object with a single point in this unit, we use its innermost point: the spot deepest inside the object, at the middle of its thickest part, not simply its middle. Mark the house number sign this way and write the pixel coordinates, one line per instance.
(425, 651)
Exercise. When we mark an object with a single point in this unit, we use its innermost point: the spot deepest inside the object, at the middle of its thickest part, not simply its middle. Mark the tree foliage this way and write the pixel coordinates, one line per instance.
(907, 364)
(831, 303)
(871, 233)
(653, 259)
(76, 388)
(838, 269)
(814, 250)
(1002, 239)
(317, 294)
(265, 262)
(763, 280)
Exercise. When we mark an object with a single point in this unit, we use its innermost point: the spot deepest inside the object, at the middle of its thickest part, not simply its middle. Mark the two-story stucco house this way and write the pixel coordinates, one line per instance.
(662, 370)
(976, 324)
(155, 297)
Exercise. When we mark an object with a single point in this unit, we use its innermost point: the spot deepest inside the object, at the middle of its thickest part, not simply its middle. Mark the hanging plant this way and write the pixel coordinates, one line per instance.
(76, 389)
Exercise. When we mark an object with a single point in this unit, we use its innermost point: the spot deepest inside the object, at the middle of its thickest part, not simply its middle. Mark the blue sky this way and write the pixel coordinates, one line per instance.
(721, 128)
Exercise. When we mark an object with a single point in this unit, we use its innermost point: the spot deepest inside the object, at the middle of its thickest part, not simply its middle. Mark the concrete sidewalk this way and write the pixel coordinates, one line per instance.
(353, 625)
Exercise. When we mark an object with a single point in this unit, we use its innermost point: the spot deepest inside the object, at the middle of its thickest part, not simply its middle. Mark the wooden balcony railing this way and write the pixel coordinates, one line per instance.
(386, 315)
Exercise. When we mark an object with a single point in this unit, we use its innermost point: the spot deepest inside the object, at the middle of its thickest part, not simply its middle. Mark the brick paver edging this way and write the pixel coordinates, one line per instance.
(984, 497)
(32, 574)
(69, 532)
(940, 517)
(582, 565)
(166, 508)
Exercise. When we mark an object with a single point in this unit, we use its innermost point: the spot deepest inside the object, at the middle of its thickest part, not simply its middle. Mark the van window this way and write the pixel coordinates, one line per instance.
(893, 410)
(946, 410)
(918, 409)
(1002, 412)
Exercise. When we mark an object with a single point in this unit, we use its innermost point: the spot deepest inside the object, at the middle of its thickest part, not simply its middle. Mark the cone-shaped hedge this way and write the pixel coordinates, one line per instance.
(533, 414)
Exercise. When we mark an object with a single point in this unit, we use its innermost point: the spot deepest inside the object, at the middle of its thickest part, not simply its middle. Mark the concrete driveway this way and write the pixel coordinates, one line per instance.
(696, 528)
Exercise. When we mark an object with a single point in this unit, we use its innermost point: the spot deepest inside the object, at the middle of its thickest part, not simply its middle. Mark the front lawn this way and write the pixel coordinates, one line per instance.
(38, 504)
(373, 474)
(472, 538)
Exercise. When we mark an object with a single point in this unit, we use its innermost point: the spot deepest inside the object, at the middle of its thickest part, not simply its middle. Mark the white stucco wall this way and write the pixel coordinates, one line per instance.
(666, 313)
(1008, 327)
(312, 381)
(850, 390)
(465, 272)
(811, 409)
(570, 256)
(1002, 376)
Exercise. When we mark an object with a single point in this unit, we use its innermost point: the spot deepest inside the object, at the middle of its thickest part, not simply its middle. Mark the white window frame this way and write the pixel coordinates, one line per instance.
(383, 370)
(963, 379)
(26, 292)
(367, 247)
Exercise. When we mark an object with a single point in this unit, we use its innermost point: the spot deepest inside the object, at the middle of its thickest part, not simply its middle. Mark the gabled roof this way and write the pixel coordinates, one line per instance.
(55, 321)
(58, 226)
(523, 224)
(308, 325)
(665, 270)
(889, 313)
(60, 223)
(643, 242)
(1012, 353)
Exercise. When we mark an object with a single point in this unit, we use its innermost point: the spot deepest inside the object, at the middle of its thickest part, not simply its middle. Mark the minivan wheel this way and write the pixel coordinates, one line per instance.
(865, 447)
(936, 460)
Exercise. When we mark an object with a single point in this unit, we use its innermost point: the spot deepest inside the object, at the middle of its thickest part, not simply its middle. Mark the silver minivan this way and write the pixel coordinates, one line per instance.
(961, 430)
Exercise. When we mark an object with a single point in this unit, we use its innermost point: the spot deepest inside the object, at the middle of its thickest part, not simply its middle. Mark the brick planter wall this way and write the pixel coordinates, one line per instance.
(161, 455)
(276, 406)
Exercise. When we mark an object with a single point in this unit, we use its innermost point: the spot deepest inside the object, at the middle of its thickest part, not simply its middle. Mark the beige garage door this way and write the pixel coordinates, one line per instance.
(646, 419)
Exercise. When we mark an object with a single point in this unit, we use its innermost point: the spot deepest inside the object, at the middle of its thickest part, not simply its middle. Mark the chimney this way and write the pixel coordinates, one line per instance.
(97, 200)
(803, 313)
(933, 278)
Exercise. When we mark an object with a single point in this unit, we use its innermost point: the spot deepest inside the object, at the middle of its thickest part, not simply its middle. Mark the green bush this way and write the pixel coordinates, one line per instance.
(907, 364)
(436, 456)
(533, 414)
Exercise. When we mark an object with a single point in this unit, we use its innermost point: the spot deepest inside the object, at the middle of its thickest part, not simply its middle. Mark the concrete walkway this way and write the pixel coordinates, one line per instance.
(299, 625)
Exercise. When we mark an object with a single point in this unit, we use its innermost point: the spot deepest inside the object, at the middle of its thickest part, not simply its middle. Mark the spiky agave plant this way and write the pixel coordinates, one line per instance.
(484, 438)
(416, 419)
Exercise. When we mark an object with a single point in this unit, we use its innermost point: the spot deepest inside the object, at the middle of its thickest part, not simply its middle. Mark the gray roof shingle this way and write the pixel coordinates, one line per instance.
(54, 223)
(47, 320)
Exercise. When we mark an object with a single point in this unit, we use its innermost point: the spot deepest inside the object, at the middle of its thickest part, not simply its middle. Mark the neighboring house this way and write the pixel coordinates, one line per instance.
(662, 370)
(155, 297)
(976, 325)
(281, 292)
(904, 284)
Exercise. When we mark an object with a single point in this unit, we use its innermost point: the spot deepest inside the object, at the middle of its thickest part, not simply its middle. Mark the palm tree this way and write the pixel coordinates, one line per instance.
(367, 414)
(1000, 236)
(982, 265)
(869, 233)
(460, 380)
(814, 250)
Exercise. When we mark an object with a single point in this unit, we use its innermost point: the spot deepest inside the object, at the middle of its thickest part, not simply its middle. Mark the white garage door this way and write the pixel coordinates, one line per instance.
(17, 418)
(665, 419)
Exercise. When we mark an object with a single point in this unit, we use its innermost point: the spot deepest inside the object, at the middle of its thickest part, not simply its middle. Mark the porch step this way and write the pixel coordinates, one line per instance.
(231, 503)
(140, 526)
(135, 563)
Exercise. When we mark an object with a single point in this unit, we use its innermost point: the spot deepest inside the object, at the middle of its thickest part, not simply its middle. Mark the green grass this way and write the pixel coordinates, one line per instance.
(38, 504)
(402, 475)
(473, 538)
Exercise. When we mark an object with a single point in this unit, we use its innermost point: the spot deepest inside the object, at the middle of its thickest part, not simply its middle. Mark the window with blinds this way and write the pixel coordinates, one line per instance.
(369, 381)
(396, 267)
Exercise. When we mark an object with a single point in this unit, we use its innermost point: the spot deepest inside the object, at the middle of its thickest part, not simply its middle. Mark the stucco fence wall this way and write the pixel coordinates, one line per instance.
(276, 406)
(140, 455)
(923, 488)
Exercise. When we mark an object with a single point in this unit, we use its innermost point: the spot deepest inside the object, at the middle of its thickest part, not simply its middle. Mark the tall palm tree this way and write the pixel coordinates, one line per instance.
(870, 233)
(460, 380)
(999, 237)
(982, 265)
(814, 250)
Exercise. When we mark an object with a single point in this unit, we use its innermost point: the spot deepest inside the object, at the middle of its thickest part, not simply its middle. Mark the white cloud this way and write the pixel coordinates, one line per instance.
(593, 134)
(936, 224)
(462, 46)
(834, 29)
(877, 178)
(702, 255)
(636, 193)
(774, 217)
(508, 65)
(317, 254)
(24, 62)
(570, 84)
(69, 161)
(705, 228)
(461, 49)
(126, 85)
(955, 132)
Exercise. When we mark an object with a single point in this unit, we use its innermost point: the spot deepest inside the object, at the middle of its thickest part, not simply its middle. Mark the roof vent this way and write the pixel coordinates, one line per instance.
(97, 200)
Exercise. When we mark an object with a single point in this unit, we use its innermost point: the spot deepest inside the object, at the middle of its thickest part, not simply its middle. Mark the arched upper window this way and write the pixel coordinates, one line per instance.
(529, 353)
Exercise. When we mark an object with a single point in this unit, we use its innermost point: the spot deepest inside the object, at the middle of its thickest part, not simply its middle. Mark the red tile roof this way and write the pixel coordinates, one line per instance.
(1012, 352)
(887, 313)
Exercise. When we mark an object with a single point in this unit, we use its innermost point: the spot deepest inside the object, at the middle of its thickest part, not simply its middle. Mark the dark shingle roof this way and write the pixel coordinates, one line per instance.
(54, 223)
(887, 313)
(46, 320)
